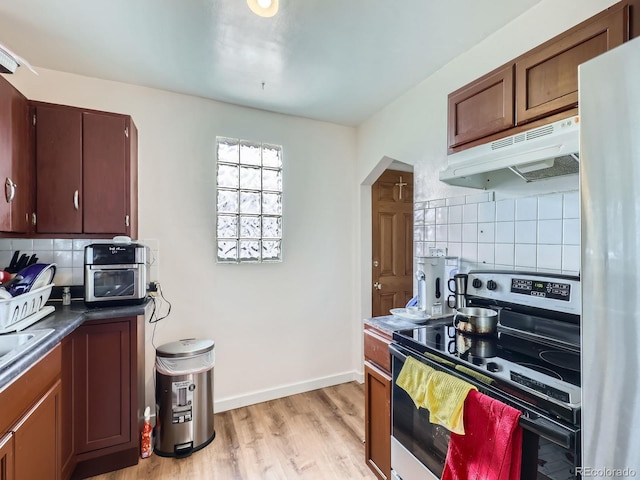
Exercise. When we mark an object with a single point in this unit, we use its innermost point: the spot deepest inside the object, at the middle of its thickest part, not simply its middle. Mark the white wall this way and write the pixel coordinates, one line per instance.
(278, 328)
(413, 128)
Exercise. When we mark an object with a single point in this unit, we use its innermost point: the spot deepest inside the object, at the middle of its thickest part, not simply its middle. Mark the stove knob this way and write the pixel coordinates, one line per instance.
(491, 285)
(477, 283)
(493, 367)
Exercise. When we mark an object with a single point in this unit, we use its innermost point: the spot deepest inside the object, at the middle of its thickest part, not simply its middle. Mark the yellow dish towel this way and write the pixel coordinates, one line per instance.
(445, 401)
(413, 379)
(442, 394)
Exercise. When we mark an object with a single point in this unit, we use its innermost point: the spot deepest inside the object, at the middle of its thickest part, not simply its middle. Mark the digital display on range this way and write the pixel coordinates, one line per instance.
(537, 288)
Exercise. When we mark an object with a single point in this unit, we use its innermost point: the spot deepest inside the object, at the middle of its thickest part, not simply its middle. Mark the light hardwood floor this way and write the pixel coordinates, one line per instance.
(313, 436)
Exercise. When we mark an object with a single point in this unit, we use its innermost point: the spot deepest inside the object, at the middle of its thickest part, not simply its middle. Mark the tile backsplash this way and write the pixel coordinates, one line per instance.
(538, 233)
(67, 254)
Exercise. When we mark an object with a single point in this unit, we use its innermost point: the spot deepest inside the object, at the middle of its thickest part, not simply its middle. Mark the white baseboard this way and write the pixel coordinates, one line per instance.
(284, 391)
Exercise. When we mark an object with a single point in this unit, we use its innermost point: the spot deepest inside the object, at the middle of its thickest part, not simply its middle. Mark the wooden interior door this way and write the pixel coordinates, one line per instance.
(392, 236)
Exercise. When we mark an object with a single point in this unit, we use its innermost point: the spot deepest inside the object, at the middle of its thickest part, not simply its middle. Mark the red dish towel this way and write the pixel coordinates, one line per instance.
(491, 448)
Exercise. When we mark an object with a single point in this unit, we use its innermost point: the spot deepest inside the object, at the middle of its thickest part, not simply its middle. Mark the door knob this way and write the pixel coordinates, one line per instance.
(376, 264)
(377, 286)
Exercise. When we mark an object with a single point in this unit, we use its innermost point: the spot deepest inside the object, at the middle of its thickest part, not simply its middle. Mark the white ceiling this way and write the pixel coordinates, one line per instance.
(333, 60)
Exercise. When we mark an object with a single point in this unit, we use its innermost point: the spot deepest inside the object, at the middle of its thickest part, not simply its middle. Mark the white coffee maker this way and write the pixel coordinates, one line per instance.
(433, 274)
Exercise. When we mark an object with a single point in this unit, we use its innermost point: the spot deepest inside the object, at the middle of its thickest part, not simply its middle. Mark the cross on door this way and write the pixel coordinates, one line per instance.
(401, 184)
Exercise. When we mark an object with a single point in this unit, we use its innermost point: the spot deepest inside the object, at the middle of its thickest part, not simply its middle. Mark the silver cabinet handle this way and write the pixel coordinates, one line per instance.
(377, 286)
(33, 219)
(9, 190)
(76, 200)
(126, 220)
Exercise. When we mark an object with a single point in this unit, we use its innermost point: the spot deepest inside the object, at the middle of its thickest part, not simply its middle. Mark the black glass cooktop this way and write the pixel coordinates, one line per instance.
(536, 369)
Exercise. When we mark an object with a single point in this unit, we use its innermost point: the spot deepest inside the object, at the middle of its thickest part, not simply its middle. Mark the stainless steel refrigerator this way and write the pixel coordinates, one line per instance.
(609, 87)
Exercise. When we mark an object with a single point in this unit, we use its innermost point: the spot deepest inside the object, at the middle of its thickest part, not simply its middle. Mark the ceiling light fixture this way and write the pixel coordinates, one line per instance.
(263, 8)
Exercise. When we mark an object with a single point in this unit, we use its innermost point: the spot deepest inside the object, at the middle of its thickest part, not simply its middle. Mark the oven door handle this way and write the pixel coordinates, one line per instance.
(548, 430)
(539, 425)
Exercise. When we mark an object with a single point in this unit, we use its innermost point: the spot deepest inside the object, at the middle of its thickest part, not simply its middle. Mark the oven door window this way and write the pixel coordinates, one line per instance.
(114, 283)
(427, 441)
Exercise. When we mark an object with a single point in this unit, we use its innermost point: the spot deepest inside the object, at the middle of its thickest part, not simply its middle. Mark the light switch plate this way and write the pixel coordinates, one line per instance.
(437, 252)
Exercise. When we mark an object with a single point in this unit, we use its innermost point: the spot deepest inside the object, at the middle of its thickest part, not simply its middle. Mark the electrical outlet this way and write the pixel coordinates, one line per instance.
(437, 252)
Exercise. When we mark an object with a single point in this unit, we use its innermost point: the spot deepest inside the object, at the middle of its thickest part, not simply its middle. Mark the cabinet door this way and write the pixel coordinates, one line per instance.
(37, 439)
(23, 204)
(481, 108)
(547, 77)
(16, 158)
(377, 433)
(58, 169)
(67, 453)
(5, 151)
(102, 379)
(106, 173)
(6, 457)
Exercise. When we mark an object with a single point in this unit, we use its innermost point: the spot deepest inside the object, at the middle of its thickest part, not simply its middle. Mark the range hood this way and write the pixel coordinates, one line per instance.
(536, 154)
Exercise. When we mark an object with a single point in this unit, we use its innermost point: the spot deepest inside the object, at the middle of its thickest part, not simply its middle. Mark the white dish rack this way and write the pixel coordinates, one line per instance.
(21, 311)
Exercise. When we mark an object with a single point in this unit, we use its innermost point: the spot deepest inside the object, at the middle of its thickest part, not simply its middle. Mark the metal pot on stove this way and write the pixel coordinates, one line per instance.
(476, 320)
(484, 346)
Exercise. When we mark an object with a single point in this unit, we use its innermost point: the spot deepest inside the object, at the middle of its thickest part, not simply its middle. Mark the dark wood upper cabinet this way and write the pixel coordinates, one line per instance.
(540, 84)
(16, 161)
(482, 107)
(106, 173)
(58, 169)
(86, 170)
(547, 77)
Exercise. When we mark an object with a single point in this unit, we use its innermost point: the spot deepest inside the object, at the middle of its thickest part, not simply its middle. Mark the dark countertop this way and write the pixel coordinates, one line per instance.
(64, 320)
(390, 324)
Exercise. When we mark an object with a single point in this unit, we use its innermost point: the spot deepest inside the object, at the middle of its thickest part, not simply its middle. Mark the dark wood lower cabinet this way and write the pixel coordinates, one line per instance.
(37, 439)
(377, 397)
(6, 457)
(31, 422)
(104, 365)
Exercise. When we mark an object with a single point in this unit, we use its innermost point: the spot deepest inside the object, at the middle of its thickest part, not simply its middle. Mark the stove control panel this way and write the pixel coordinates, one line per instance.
(552, 292)
(541, 288)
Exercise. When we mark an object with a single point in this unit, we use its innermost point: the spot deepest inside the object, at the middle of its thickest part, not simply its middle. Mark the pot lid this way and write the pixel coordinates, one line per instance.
(187, 347)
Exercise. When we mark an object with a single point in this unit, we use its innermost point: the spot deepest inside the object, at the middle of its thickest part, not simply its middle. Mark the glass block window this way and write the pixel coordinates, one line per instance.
(249, 201)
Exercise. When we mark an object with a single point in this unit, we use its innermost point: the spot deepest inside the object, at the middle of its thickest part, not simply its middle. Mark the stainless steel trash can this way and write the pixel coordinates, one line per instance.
(184, 397)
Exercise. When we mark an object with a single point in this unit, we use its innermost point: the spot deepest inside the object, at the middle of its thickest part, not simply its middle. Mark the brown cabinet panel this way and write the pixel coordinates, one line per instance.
(37, 439)
(105, 173)
(102, 377)
(6, 457)
(377, 395)
(108, 394)
(547, 77)
(58, 169)
(481, 108)
(67, 453)
(376, 349)
(16, 161)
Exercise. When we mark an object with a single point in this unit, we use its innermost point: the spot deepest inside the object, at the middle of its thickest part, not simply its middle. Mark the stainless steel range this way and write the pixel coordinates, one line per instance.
(532, 363)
